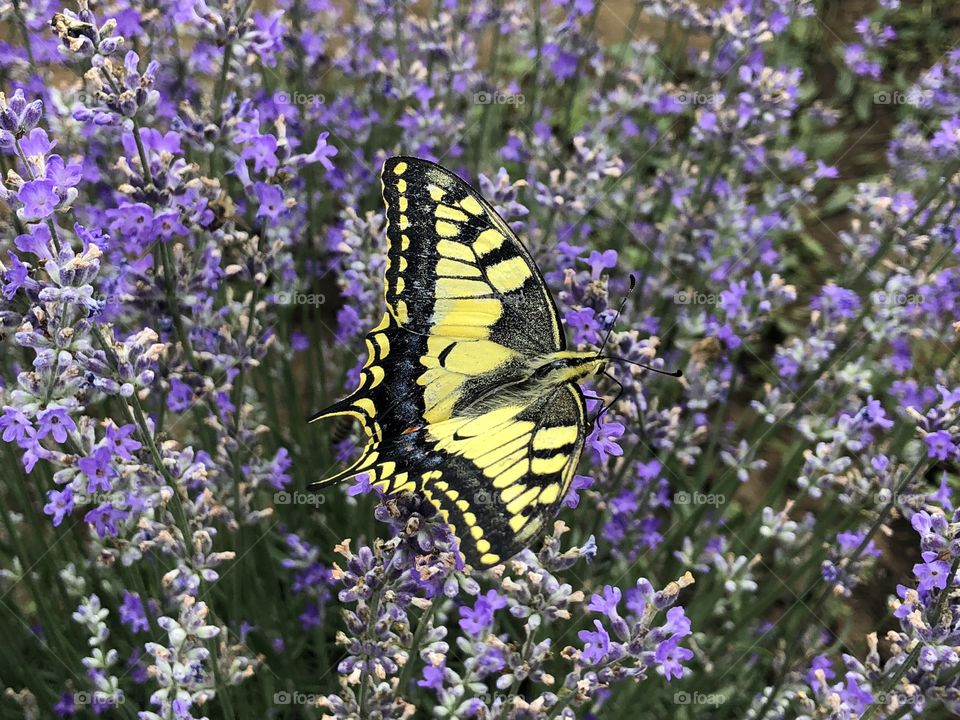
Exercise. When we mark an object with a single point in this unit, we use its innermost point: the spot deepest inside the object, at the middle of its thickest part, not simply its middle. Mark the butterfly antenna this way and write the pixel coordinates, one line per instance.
(633, 284)
(673, 373)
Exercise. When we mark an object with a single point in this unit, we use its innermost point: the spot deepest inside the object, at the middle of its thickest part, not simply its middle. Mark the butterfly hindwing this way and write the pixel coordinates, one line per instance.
(387, 401)
(496, 477)
(504, 473)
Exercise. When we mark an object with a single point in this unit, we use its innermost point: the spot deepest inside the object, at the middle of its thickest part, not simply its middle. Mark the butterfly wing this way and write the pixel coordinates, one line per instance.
(465, 306)
(455, 269)
(500, 476)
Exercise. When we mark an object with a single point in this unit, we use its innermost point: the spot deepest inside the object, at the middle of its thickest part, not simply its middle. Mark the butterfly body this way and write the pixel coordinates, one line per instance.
(469, 394)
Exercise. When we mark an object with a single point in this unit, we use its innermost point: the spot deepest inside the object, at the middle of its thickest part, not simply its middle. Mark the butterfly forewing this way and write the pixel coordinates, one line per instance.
(455, 268)
(466, 309)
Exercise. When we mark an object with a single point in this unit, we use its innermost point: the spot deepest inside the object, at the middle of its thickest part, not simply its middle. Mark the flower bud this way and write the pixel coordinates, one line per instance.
(31, 116)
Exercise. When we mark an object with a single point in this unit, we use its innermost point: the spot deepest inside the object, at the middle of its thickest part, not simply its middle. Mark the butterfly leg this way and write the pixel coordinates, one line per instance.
(606, 407)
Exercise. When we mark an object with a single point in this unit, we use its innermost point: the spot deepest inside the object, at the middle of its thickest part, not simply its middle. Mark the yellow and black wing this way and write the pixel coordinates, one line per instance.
(455, 268)
(466, 309)
(500, 476)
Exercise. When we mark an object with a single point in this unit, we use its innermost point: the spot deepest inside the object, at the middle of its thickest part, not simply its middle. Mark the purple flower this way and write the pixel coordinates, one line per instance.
(321, 154)
(98, 470)
(120, 442)
(263, 152)
(585, 325)
(180, 397)
(491, 661)
(606, 603)
(167, 224)
(104, 520)
(59, 504)
(34, 452)
(16, 426)
(603, 441)
(931, 573)
(825, 171)
(596, 644)
(943, 495)
(600, 261)
(66, 705)
(854, 695)
(15, 277)
(361, 485)
(36, 144)
(836, 302)
(133, 614)
(57, 422)
(670, 656)
(299, 342)
(940, 445)
(579, 482)
(433, 676)
(279, 476)
(39, 200)
(270, 201)
(822, 663)
(479, 619)
(949, 397)
(875, 415)
(312, 616)
(63, 176)
(947, 138)
(856, 58)
(678, 624)
(36, 241)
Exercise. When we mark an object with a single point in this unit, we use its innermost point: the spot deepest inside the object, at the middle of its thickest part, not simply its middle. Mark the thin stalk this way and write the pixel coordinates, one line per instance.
(414, 646)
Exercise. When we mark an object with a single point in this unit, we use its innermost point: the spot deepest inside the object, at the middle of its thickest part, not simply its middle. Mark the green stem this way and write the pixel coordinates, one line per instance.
(418, 634)
(141, 151)
(25, 31)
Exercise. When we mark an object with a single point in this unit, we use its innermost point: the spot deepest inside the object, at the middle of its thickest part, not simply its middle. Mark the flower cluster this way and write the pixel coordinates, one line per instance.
(192, 251)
